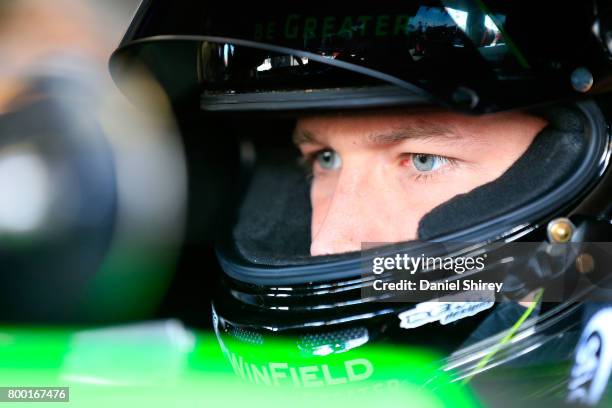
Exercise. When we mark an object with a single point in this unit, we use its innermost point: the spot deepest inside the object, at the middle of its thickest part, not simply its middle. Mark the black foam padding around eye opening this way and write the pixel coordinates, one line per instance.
(274, 221)
(550, 158)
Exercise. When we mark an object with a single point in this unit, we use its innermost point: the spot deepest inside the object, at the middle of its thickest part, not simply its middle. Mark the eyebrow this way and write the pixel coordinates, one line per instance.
(303, 137)
(419, 130)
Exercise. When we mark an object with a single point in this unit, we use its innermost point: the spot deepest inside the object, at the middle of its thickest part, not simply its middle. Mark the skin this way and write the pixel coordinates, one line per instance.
(369, 183)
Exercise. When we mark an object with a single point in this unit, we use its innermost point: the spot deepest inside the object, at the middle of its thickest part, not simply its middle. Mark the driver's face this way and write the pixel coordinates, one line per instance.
(375, 175)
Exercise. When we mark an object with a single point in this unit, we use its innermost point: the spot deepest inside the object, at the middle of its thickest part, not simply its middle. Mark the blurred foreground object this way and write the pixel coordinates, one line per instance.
(163, 364)
(92, 190)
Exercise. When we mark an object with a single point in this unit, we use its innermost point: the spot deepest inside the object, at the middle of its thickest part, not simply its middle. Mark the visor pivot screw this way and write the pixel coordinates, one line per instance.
(560, 230)
(582, 79)
(465, 97)
(585, 263)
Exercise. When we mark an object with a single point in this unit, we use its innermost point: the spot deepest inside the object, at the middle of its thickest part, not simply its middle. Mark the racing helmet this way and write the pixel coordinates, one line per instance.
(242, 77)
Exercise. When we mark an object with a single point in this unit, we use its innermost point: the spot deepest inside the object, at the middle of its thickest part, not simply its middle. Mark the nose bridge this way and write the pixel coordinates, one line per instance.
(349, 213)
(353, 180)
(353, 191)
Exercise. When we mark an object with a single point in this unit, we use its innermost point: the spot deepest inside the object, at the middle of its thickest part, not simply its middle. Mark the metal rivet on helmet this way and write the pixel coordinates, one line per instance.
(582, 79)
(560, 230)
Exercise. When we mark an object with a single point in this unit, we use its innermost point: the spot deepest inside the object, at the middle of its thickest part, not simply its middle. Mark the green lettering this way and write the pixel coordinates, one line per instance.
(310, 25)
(328, 26)
(363, 373)
(382, 26)
(261, 376)
(270, 30)
(364, 22)
(291, 28)
(346, 30)
(401, 25)
(237, 364)
(309, 376)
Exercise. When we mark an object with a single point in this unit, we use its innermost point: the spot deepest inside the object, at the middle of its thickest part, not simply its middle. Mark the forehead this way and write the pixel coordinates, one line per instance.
(382, 126)
(408, 123)
(438, 121)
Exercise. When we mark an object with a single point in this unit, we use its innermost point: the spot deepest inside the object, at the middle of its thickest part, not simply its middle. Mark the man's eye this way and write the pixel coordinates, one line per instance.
(428, 162)
(328, 159)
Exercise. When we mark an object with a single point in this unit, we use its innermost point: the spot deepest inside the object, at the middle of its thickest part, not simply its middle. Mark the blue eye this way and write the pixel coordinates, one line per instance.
(427, 162)
(328, 159)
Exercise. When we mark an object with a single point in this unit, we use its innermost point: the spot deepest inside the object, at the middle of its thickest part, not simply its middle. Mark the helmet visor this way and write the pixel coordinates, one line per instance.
(465, 54)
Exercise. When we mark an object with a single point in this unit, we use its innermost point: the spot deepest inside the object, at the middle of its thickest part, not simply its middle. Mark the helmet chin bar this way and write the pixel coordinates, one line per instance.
(249, 324)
